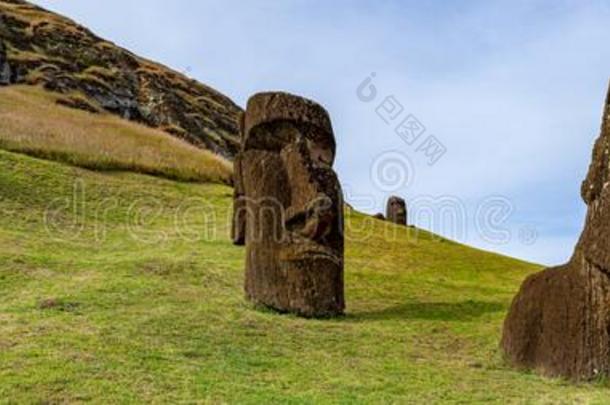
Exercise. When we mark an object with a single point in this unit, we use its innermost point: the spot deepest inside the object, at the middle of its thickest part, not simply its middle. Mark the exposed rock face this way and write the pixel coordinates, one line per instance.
(294, 221)
(379, 216)
(5, 68)
(559, 322)
(396, 210)
(43, 48)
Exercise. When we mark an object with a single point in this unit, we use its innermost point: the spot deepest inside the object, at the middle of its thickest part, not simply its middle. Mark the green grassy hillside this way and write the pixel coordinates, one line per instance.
(123, 287)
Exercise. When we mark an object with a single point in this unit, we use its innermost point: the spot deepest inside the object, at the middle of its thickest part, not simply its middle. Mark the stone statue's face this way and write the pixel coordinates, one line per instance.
(310, 194)
(398, 207)
(321, 151)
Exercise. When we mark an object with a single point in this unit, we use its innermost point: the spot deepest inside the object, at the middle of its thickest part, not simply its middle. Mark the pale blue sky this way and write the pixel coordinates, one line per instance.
(513, 89)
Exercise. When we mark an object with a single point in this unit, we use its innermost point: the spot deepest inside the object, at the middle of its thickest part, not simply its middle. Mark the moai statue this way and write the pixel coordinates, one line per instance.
(559, 322)
(238, 225)
(379, 216)
(396, 210)
(294, 221)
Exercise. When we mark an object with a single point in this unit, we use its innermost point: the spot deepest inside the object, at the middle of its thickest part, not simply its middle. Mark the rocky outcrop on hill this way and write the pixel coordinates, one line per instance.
(5, 68)
(39, 47)
(559, 323)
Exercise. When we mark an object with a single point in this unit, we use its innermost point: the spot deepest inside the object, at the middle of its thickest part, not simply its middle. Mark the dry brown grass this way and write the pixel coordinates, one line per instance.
(31, 122)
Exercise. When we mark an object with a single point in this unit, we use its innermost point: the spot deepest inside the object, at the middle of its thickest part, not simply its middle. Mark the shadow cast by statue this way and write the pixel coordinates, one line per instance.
(433, 311)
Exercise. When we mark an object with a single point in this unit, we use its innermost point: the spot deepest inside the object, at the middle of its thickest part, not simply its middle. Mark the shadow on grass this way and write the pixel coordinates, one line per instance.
(433, 311)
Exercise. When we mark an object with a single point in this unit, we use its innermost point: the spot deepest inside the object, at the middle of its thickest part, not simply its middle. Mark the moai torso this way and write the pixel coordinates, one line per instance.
(559, 322)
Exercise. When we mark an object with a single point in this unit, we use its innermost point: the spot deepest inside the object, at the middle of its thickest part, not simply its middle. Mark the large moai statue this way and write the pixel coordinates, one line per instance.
(294, 221)
(559, 322)
(396, 210)
(238, 225)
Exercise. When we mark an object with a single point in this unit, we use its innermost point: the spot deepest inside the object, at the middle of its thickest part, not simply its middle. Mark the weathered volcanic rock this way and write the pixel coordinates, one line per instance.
(5, 68)
(44, 48)
(559, 322)
(396, 210)
(294, 221)
(238, 226)
(379, 216)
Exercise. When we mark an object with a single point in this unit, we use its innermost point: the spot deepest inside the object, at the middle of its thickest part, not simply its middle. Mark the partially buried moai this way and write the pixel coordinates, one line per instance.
(294, 207)
(396, 210)
(559, 322)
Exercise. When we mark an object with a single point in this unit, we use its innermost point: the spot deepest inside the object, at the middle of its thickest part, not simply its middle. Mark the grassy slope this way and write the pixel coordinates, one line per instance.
(131, 319)
(31, 122)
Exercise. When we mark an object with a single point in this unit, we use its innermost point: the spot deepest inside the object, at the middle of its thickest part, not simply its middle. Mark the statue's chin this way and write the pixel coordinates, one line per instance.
(309, 252)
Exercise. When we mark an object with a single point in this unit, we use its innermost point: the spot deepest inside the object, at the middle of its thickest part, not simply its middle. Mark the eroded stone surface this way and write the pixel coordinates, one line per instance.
(238, 225)
(294, 218)
(396, 210)
(559, 322)
(238, 228)
(5, 68)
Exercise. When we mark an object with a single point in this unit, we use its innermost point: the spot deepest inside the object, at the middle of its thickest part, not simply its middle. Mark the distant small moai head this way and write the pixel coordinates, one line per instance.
(379, 216)
(294, 207)
(396, 210)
